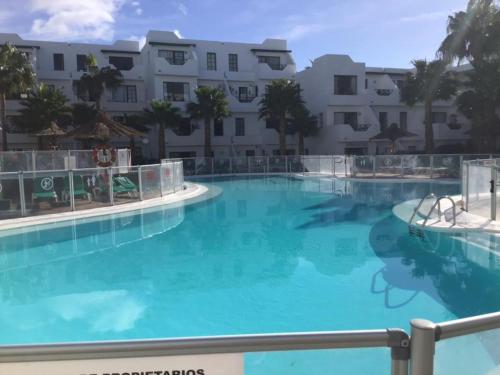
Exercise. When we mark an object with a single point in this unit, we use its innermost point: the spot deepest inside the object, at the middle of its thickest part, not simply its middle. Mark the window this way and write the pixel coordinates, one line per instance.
(233, 62)
(382, 119)
(345, 85)
(439, 117)
(58, 61)
(51, 88)
(218, 128)
(81, 63)
(239, 123)
(124, 93)
(184, 129)
(274, 62)
(173, 57)
(211, 61)
(176, 91)
(403, 120)
(122, 62)
(346, 118)
(271, 124)
(249, 153)
(243, 94)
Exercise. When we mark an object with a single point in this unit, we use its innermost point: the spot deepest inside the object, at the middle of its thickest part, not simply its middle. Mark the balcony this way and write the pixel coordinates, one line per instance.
(265, 71)
(163, 67)
(348, 133)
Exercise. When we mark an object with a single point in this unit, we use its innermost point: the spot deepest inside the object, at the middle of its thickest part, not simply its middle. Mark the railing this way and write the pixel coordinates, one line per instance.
(30, 193)
(480, 192)
(415, 354)
(14, 161)
(364, 166)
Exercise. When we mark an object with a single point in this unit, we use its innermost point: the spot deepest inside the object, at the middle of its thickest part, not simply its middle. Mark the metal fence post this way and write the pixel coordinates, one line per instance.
(422, 347)
(161, 179)
(267, 164)
(22, 198)
(213, 169)
(467, 187)
(231, 165)
(71, 190)
(432, 165)
(139, 176)
(402, 166)
(374, 162)
(286, 164)
(248, 165)
(334, 167)
(110, 177)
(493, 193)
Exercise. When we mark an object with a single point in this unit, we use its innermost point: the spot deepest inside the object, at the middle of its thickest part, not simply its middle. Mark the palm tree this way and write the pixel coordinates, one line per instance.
(211, 105)
(164, 114)
(42, 107)
(473, 34)
(83, 113)
(429, 82)
(279, 101)
(304, 124)
(16, 77)
(91, 85)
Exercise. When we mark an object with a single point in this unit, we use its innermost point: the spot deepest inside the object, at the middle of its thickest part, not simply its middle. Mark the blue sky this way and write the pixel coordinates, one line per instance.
(379, 32)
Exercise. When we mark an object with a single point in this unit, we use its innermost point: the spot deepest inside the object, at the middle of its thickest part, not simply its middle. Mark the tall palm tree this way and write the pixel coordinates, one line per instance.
(211, 104)
(42, 107)
(429, 82)
(165, 115)
(16, 77)
(281, 98)
(304, 124)
(473, 34)
(91, 85)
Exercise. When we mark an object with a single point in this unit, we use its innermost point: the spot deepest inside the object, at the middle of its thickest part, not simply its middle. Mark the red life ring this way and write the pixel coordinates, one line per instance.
(104, 155)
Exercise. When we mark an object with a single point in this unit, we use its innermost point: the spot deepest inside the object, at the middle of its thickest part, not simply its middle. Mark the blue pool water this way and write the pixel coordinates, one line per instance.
(269, 254)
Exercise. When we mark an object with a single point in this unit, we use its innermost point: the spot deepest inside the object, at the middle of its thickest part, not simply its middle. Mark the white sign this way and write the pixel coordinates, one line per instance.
(213, 364)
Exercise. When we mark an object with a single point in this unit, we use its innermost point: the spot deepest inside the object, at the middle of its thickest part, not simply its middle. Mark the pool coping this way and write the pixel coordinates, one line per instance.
(192, 190)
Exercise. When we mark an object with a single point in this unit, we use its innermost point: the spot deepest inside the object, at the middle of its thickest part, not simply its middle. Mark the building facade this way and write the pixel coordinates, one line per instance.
(353, 102)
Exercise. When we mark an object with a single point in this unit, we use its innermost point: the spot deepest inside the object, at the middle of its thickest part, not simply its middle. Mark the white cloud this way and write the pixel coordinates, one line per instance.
(181, 7)
(138, 11)
(137, 7)
(140, 39)
(429, 16)
(135, 4)
(75, 19)
(178, 34)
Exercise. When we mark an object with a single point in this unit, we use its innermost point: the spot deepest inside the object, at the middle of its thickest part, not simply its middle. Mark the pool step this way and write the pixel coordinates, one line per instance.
(416, 232)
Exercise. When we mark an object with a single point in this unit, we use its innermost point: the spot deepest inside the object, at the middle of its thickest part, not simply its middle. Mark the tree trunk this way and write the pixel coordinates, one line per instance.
(131, 145)
(161, 142)
(429, 131)
(282, 135)
(208, 138)
(301, 143)
(3, 121)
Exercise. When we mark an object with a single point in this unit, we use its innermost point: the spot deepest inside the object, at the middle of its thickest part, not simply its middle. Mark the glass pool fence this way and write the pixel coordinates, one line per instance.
(481, 187)
(15, 161)
(418, 354)
(30, 193)
(364, 166)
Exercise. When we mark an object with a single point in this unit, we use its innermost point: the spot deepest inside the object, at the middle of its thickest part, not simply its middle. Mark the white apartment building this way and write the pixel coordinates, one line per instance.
(172, 68)
(354, 103)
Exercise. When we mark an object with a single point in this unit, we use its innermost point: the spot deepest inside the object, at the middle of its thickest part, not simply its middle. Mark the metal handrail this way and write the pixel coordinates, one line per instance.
(438, 204)
(431, 195)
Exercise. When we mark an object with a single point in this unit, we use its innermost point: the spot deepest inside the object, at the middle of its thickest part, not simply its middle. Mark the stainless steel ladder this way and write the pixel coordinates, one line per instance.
(414, 230)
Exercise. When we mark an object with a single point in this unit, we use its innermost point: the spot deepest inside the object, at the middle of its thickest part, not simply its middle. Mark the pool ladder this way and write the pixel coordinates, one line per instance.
(418, 231)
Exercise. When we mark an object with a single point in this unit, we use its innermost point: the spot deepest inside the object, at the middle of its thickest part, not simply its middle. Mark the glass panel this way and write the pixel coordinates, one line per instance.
(277, 164)
(363, 166)
(319, 164)
(416, 166)
(125, 185)
(189, 166)
(471, 354)
(167, 178)
(479, 197)
(240, 164)
(318, 362)
(294, 164)
(150, 179)
(43, 192)
(15, 161)
(388, 166)
(222, 166)
(82, 159)
(257, 164)
(203, 166)
(447, 166)
(91, 188)
(178, 176)
(10, 199)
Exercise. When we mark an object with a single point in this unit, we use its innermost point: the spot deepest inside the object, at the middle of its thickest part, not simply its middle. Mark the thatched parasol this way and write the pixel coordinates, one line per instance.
(52, 131)
(102, 129)
(392, 133)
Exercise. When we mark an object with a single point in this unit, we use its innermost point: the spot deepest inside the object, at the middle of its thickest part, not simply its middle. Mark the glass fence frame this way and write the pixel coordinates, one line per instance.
(131, 188)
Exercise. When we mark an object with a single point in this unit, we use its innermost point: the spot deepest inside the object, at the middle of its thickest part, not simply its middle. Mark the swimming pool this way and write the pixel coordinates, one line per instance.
(269, 254)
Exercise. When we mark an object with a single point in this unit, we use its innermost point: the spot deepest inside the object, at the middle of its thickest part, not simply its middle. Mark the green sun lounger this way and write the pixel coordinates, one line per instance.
(123, 184)
(43, 190)
(78, 188)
